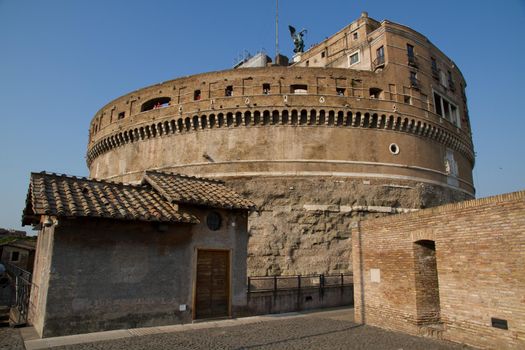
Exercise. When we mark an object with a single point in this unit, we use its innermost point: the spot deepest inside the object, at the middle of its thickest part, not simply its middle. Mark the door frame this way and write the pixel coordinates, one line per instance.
(194, 277)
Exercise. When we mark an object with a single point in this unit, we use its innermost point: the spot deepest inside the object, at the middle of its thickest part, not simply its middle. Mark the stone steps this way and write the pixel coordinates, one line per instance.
(4, 316)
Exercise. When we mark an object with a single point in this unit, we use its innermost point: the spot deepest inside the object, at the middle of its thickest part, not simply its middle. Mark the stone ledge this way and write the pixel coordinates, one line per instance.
(356, 208)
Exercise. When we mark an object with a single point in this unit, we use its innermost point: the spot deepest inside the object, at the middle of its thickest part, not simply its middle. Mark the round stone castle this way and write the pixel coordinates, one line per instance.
(372, 121)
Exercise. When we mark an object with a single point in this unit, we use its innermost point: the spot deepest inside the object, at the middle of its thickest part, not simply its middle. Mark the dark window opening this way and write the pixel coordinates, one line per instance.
(340, 91)
(266, 89)
(380, 57)
(414, 83)
(355, 35)
(15, 256)
(499, 323)
(435, 71)
(196, 95)
(299, 89)
(410, 50)
(155, 103)
(307, 63)
(394, 149)
(323, 54)
(214, 221)
(411, 56)
(451, 84)
(437, 104)
(228, 91)
(121, 115)
(375, 92)
(407, 99)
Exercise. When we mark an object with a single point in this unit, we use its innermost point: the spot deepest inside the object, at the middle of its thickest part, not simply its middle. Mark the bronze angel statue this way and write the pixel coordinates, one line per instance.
(297, 39)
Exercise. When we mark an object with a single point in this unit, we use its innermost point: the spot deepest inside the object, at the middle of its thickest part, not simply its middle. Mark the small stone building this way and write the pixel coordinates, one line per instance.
(111, 255)
(454, 272)
(18, 252)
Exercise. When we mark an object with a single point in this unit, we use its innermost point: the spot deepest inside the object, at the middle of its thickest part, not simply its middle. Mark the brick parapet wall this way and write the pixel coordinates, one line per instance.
(474, 203)
(480, 257)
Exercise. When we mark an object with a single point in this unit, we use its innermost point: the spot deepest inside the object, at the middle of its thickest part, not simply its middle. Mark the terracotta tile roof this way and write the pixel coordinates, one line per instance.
(69, 196)
(194, 190)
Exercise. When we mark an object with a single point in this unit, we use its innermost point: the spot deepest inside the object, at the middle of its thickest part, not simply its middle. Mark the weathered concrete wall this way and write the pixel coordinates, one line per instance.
(263, 303)
(106, 274)
(479, 260)
(303, 224)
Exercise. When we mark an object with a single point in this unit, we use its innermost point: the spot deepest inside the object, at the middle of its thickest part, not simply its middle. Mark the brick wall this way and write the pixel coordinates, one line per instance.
(479, 260)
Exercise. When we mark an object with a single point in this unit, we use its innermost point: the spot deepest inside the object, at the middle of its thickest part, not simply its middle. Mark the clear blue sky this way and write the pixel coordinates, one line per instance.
(61, 60)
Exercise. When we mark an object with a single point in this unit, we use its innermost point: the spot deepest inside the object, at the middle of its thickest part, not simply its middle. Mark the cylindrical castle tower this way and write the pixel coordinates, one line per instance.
(372, 121)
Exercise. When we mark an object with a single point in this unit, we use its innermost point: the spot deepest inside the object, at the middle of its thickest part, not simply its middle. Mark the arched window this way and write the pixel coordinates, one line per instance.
(159, 102)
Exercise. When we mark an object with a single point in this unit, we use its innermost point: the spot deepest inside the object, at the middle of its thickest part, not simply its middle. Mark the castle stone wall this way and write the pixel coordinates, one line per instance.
(369, 134)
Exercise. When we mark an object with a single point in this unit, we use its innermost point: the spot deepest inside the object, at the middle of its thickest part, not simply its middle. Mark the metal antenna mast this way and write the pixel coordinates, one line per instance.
(276, 28)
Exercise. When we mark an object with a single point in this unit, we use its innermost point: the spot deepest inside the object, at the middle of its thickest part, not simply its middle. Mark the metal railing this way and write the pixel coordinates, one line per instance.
(297, 282)
(15, 271)
(22, 279)
(412, 60)
(379, 62)
(414, 83)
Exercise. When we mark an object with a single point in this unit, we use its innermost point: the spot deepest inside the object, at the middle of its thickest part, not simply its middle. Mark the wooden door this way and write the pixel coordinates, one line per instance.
(212, 294)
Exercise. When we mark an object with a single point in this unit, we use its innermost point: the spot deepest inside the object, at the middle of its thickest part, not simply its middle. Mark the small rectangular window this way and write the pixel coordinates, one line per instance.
(266, 89)
(499, 323)
(15, 256)
(356, 35)
(121, 115)
(380, 57)
(375, 92)
(323, 54)
(354, 58)
(451, 85)
(407, 99)
(340, 91)
(411, 56)
(434, 67)
(410, 50)
(380, 52)
(196, 95)
(228, 91)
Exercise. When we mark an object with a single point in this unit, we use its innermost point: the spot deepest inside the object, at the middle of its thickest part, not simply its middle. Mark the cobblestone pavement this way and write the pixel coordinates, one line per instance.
(10, 339)
(319, 330)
